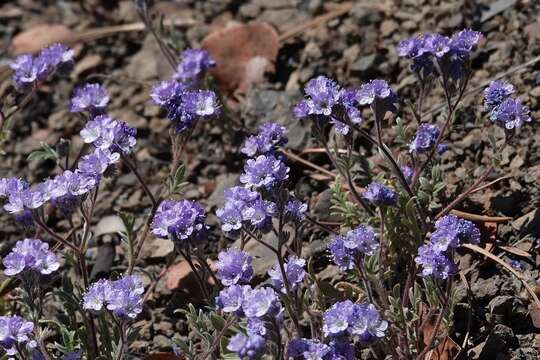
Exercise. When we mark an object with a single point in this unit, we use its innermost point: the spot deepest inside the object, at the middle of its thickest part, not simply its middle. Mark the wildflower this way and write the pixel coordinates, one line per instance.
(123, 297)
(362, 320)
(14, 332)
(270, 136)
(9, 186)
(234, 266)
(265, 171)
(90, 97)
(378, 94)
(349, 100)
(30, 255)
(294, 271)
(73, 183)
(124, 138)
(342, 256)
(450, 230)
(434, 263)
(24, 71)
(295, 210)
(301, 349)
(99, 132)
(201, 103)
(322, 94)
(256, 326)
(511, 114)
(517, 265)
(379, 195)
(231, 298)
(194, 62)
(167, 92)
(407, 171)
(361, 240)
(184, 220)
(95, 163)
(260, 303)
(426, 137)
(496, 93)
(247, 347)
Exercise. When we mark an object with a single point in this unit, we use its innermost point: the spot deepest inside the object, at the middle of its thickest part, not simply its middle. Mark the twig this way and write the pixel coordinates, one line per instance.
(501, 262)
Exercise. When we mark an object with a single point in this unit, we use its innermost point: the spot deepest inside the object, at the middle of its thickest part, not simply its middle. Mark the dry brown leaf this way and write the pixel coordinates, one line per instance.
(180, 273)
(446, 350)
(33, 39)
(516, 251)
(243, 53)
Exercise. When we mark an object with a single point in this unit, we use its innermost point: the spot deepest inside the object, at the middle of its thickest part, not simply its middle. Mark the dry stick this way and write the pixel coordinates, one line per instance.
(500, 261)
(297, 158)
(217, 340)
(134, 170)
(480, 218)
(469, 315)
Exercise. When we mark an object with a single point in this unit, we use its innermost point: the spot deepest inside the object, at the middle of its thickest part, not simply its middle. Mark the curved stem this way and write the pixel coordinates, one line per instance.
(145, 187)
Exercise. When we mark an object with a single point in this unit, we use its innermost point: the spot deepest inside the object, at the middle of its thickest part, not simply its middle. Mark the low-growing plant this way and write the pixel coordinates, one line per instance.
(395, 245)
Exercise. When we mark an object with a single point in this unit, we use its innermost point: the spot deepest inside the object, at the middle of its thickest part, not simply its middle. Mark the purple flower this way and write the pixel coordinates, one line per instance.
(28, 69)
(450, 230)
(123, 297)
(361, 240)
(517, 265)
(256, 326)
(194, 62)
(379, 195)
(233, 267)
(511, 114)
(496, 93)
(14, 332)
(90, 97)
(349, 99)
(465, 40)
(72, 183)
(342, 256)
(201, 103)
(260, 303)
(265, 171)
(294, 271)
(270, 136)
(30, 255)
(183, 220)
(231, 298)
(50, 58)
(308, 349)
(95, 163)
(99, 131)
(24, 71)
(378, 93)
(259, 214)
(9, 186)
(426, 137)
(295, 210)
(124, 138)
(322, 94)
(361, 320)
(167, 92)
(247, 347)
(434, 263)
(407, 171)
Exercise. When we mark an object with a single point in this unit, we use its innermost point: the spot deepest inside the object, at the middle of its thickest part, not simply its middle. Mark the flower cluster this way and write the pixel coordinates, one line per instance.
(109, 138)
(326, 101)
(183, 221)
(308, 349)
(234, 267)
(248, 347)
(89, 97)
(294, 271)
(264, 172)
(14, 332)
(344, 249)
(123, 297)
(181, 98)
(296, 210)
(504, 110)
(30, 255)
(359, 320)
(244, 207)
(270, 136)
(380, 195)
(28, 69)
(449, 232)
(450, 53)
(425, 139)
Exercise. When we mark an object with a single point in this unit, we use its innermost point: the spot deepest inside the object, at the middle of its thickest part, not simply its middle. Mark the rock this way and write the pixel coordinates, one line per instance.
(528, 223)
(485, 289)
(500, 340)
(364, 63)
(223, 182)
(501, 308)
(104, 261)
(148, 63)
(388, 27)
(154, 248)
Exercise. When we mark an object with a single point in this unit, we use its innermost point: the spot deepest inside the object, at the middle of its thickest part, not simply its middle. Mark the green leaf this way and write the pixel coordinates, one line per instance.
(45, 153)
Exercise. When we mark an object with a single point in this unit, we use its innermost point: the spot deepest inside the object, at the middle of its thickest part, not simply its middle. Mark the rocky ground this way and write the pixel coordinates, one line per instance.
(354, 47)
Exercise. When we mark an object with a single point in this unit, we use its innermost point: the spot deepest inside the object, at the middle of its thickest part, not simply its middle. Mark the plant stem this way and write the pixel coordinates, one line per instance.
(145, 187)
(187, 256)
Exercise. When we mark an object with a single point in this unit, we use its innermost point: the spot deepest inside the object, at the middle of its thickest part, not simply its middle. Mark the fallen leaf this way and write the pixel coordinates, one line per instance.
(34, 39)
(243, 53)
(181, 278)
(163, 356)
(447, 348)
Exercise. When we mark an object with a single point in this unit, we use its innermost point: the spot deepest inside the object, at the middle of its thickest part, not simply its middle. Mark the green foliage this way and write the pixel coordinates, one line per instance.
(342, 207)
(46, 152)
(176, 183)
(430, 187)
